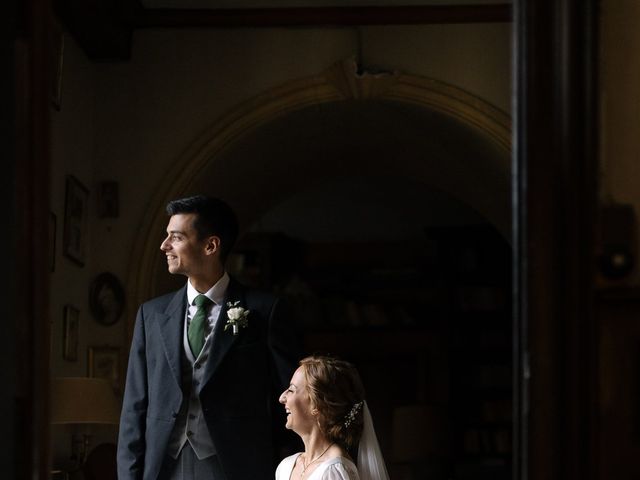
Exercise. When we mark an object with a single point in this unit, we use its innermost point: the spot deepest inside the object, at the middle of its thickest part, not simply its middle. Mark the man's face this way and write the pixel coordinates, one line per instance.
(186, 254)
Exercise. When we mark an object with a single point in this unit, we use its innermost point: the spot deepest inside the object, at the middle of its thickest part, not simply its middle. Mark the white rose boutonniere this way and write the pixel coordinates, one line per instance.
(237, 317)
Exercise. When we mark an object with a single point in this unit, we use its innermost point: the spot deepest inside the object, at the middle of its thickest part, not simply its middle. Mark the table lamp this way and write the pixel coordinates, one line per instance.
(83, 401)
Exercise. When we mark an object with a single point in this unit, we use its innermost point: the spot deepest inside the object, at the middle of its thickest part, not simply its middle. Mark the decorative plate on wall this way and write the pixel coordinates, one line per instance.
(106, 298)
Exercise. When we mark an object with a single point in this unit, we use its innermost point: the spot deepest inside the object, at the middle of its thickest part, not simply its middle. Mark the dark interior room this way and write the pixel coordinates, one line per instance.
(441, 191)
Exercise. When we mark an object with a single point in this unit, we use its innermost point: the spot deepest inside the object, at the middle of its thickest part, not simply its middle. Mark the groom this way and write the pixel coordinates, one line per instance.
(207, 363)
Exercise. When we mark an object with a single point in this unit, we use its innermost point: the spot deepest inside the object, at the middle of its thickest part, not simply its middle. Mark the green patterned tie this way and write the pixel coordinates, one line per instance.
(196, 327)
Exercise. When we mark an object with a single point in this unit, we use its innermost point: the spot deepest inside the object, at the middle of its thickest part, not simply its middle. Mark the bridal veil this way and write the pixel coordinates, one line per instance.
(370, 462)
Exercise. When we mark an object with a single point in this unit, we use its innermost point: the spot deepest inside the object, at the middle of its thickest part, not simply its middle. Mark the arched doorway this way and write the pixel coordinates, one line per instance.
(440, 135)
(381, 206)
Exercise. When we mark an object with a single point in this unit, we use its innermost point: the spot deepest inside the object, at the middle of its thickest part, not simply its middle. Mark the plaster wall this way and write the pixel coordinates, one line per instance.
(620, 104)
(73, 139)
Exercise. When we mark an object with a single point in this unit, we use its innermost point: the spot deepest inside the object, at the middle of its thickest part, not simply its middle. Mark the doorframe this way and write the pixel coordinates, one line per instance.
(25, 328)
(555, 173)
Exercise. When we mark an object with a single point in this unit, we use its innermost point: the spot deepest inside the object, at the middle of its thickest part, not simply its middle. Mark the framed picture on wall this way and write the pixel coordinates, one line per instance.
(106, 298)
(75, 220)
(104, 362)
(71, 328)
(108, 204)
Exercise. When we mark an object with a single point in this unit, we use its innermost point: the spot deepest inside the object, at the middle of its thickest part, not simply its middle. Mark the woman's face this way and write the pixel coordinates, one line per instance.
(297, 404)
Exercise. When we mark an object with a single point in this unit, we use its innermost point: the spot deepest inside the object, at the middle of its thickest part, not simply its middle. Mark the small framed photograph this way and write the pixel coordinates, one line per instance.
(104, 362)
(52, 241)
(70, 333)
(108, 204)
(75, 220)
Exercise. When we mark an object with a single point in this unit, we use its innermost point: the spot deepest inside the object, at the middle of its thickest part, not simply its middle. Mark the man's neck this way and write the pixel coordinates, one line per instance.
(203, 283)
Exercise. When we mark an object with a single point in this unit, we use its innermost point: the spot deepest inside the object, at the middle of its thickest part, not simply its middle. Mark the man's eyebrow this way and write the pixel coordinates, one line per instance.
(176, 231)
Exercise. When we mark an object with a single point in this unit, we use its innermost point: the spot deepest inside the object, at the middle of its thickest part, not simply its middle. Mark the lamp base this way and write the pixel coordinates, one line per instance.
(59, 475)
(79, 449)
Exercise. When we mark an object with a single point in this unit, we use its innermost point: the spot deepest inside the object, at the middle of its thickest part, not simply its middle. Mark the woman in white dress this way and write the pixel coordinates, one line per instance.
(325, 405)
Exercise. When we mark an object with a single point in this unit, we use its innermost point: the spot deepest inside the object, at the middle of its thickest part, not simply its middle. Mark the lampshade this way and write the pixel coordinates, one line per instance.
(77, 400)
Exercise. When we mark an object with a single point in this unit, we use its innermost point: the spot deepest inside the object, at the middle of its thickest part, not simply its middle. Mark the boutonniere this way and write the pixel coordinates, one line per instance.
(236, 317)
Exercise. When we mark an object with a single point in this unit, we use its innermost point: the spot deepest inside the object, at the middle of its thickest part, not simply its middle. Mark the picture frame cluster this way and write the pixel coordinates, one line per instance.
(106, 295)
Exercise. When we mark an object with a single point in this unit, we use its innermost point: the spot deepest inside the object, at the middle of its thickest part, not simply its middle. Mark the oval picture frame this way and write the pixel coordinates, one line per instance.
(106, 299)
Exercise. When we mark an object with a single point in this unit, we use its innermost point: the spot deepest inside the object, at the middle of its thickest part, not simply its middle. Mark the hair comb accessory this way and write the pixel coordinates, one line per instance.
(351, 416)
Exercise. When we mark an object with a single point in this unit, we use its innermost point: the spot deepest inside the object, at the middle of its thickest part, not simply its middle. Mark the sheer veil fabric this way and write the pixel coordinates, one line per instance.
(370, 462)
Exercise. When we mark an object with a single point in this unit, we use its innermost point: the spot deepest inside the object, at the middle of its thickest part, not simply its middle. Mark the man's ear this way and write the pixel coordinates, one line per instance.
(213, 245)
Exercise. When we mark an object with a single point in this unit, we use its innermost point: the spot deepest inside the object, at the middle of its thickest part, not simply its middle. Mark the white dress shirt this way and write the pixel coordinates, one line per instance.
(216, 295)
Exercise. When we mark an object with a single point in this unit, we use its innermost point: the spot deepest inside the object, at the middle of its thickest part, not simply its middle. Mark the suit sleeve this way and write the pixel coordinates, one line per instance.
(284, 348)
(131, 439)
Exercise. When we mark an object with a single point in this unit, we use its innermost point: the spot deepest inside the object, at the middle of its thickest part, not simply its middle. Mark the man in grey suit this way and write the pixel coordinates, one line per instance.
(207, 363)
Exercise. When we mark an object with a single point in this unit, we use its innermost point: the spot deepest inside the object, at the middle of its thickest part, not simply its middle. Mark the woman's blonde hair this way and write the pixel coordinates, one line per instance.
(337, 394)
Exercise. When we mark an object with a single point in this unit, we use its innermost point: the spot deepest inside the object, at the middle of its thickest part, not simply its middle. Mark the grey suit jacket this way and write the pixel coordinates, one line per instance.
(244, 375)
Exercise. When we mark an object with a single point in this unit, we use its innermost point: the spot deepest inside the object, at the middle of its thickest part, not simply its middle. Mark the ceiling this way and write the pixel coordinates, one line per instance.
(104, 28)
(240, 4)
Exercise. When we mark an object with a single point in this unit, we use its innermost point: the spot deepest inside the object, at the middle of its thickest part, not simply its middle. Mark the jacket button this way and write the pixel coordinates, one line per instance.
(175, 414)
(189, 433)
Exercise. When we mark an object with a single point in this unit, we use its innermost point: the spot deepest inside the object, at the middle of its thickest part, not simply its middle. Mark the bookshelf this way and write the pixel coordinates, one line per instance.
(479, 329)
(428, 325)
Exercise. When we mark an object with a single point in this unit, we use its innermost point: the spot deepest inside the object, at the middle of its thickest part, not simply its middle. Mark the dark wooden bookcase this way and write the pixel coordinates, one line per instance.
(426, 321)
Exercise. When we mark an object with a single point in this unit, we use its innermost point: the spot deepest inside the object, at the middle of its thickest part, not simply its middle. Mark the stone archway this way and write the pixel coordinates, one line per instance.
(338, 83)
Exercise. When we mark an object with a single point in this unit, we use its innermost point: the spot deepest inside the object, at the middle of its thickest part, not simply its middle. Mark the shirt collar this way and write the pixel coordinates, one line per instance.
(215, 293)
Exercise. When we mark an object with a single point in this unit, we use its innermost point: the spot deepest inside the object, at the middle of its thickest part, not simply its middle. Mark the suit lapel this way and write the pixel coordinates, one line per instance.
(171, 324)
(223, 340)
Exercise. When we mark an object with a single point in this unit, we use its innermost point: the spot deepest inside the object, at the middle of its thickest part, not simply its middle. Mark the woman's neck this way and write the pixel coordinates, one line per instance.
(315, 443)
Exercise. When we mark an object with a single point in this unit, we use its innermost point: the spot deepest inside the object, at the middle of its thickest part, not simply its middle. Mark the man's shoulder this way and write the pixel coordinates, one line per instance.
(162, 301)
(260, 295)
(255, 293)
(256, 298)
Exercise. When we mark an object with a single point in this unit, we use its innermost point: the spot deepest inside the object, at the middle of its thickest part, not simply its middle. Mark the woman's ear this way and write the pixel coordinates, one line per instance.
(314, 411)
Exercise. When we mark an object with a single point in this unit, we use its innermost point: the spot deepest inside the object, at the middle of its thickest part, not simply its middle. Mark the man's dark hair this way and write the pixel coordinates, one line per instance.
(213, 217)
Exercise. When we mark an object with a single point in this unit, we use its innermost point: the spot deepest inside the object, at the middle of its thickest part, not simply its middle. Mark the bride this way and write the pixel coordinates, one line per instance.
(325, 405)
